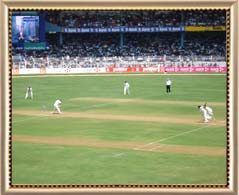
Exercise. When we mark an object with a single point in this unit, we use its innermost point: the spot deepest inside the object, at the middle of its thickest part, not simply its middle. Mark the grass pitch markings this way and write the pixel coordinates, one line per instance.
(143, 101)
(117, 117)
(198, 150)
(167, 138)
(119, 154)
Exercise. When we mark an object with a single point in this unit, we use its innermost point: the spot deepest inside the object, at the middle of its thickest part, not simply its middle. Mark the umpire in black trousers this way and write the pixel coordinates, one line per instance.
(168, 86)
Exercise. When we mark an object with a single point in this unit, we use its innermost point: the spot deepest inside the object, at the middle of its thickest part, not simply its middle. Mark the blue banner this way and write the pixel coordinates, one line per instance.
(124, 29)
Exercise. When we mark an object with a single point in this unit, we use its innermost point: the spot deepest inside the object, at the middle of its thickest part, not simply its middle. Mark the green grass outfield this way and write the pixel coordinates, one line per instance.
(104, 137)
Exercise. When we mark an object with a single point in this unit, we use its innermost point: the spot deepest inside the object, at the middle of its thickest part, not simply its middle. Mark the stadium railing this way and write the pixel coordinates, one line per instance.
(86, 62)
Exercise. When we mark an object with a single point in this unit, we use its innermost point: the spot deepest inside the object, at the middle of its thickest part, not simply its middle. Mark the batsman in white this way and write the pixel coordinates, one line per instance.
(29, 93)
(207, 113)
(126, 88)
(57, 105)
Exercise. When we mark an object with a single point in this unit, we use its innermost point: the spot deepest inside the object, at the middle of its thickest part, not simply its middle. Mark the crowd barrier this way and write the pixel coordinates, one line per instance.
(175, 69)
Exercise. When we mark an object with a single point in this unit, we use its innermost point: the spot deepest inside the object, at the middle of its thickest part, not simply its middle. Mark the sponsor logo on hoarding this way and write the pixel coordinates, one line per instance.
(42, 70)
(125, 29)
(15, 71)
(120, 69)
(170, 69)
(215, 69)
(186, 69)
(150, 69)
(123, 69)
(205, 28)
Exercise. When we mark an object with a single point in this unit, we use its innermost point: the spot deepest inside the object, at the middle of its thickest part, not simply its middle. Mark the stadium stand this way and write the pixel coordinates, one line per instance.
(136, 18)
(129, 49)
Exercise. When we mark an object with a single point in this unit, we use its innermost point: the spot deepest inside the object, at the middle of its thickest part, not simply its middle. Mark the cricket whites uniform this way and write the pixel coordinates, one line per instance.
(29, 93)
(126, 88)
(209, 111)
(206, 116)
(57, 106)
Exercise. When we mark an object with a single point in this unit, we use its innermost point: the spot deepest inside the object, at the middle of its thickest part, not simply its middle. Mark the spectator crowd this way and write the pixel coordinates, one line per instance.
(136, 46)
(92, 49)
(154, 18)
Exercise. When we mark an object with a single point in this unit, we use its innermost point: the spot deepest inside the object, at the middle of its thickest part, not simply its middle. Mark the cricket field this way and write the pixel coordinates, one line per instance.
(104, 137)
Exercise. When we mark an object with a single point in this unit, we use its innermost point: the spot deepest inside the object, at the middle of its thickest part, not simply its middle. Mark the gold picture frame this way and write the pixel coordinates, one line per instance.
(232, 100)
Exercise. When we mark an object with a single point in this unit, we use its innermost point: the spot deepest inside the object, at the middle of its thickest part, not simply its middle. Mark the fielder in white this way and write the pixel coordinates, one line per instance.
(207, 113)
(57, 105)
(29, 93)
(126, 88)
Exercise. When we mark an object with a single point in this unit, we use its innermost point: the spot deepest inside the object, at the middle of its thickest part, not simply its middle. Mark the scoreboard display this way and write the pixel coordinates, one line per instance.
(28, 30)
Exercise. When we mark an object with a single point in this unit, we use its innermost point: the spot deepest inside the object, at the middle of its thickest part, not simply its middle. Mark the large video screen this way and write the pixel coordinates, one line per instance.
(25, 29)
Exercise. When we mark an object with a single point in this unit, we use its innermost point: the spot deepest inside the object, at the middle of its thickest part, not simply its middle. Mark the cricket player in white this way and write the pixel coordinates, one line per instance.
(207, 113)
(29, 93)
(126, 88)
(57, 105)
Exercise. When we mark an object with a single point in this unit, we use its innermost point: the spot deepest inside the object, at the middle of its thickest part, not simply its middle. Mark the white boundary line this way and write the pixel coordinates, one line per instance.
(170, 137)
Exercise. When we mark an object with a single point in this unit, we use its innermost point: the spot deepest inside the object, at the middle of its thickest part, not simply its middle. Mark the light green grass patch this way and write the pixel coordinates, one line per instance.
(58, 165)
